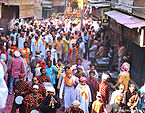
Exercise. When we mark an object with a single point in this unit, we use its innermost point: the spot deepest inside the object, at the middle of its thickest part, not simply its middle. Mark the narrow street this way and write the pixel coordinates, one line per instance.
(72, 56)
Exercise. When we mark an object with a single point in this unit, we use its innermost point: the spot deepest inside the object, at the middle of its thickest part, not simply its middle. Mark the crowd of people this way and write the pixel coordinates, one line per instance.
(42, 63)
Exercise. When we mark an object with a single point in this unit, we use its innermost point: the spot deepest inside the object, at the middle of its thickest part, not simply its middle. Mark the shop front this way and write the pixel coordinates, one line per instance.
(131, 30)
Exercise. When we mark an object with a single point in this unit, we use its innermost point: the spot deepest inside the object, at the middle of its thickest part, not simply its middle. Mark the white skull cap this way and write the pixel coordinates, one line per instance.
(105, 76)
(35, 86)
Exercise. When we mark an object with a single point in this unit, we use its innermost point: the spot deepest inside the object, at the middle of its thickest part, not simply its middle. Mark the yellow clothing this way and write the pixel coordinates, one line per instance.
(84, 92)
(98, 106)
(66, 45)
(124, 79)
(59, 68)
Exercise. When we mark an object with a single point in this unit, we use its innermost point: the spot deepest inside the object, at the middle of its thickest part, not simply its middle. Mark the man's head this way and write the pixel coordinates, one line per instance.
(69, 73)
(35, 80)
(37, 52)
(66, 68)
(98, 96)
(35, 89)
(78, 61)
(119, 99)
(49, 53)
(95, 42)
(36, 37)
(83, 80)
(3, 56)
(49, 63)
(59, 61)
(92, 67)
(25, 44)
(75, 103)
(17, 54)
(43, 71)
(50, 46)
(58, 38)
(92, 74)
(132, 88)
(104, 77)
(21, 77)
(23, 53)
(73, 44)
(14, 31)
(80, 40)
(12, 38)
(51, 91)
(121, 88)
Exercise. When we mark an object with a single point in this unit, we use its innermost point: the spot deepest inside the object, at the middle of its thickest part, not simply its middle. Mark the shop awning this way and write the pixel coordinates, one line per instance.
(126, 20)
(99, 5)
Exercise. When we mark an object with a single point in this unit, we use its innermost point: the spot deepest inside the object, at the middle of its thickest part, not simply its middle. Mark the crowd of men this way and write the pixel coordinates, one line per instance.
(41, 64)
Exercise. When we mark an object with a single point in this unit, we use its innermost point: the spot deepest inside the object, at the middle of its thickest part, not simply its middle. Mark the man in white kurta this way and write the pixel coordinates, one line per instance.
(68, 87)
(36, 45)
(83, 94)
(43, 48)
(21, 41)
(3, 88)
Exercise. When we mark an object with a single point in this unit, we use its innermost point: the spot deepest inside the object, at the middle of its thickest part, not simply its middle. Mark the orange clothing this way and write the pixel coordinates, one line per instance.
(67, 81)
(70, 53)
(124, 79)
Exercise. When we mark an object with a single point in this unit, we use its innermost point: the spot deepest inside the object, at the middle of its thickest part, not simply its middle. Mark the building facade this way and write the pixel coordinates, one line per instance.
(127, 24)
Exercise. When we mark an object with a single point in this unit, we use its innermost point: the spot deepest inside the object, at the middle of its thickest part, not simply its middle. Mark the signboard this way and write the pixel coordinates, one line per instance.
(104, 17)
(37, 3)
(126, 2)
(20, 2)
(3, 1)
(47, 4)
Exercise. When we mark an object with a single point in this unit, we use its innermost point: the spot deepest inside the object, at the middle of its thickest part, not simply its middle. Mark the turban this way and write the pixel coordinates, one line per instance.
(126, 66)
(95, 41)
(76, 103)
(21, 75)
(51, 89)
(83, 79)
(17, 54)
(43, 64)
(3, 56)
(105, 76)
(35, 86)
(69, 71)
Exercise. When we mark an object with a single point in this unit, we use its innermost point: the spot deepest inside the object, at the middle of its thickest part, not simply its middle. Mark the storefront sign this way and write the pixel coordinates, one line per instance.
(104, 18)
